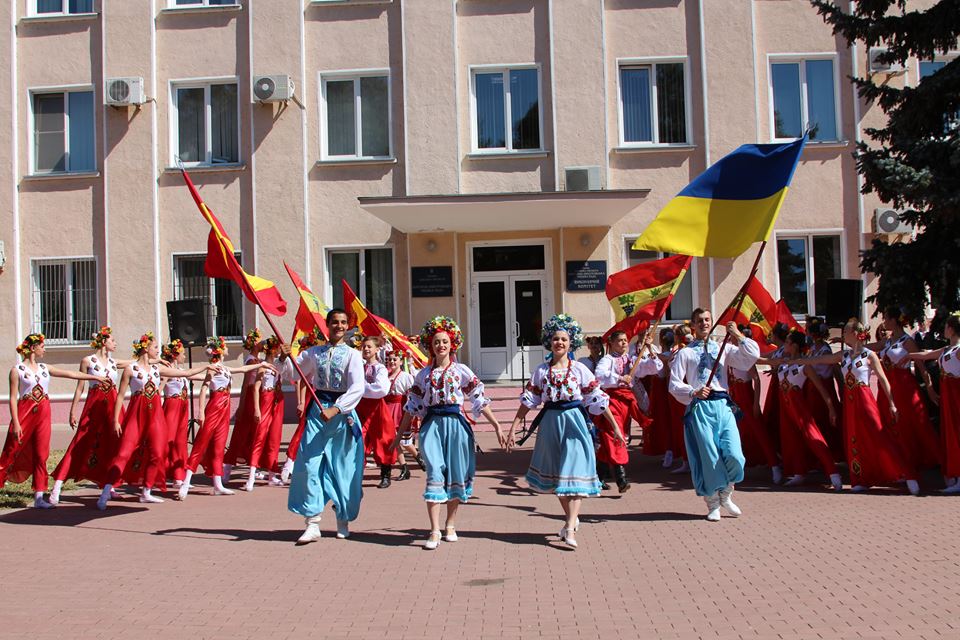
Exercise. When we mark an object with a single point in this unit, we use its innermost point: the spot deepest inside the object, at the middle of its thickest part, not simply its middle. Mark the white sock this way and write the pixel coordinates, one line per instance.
(57, 486)
(218, 483)
(187, 478)
(37, 496)
(227, 468)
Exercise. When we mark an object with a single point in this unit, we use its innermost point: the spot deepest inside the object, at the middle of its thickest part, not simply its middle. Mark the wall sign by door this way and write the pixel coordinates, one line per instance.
(586, 275)
(431, 282)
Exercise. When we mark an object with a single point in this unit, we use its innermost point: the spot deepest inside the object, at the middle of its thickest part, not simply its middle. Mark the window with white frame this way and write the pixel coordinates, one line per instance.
(65, 299)
(203, 3)
(60, 7)
(684, 300)
(653, 103)
(927, 69)
(804, 96)
(222, 298)
(804, 264)
(355, 116)
(63, 131)
(506, 109)
(369, 272)
(205, 126)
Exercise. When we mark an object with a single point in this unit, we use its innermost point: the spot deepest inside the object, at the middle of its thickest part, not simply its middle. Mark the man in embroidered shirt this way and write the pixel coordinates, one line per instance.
(710, 428)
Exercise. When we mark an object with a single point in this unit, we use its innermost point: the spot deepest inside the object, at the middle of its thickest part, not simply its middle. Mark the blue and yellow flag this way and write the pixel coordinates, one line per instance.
(729, 206)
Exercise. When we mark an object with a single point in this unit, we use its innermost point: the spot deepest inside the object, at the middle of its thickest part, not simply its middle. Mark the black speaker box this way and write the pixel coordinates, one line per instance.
(844, 300)
(188, 321)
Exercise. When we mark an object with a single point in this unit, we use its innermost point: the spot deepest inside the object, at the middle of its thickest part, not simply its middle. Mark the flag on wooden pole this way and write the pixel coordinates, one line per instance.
(641, 294)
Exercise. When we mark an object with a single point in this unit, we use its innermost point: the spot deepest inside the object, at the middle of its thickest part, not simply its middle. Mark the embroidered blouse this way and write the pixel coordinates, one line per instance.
(400, 384)
(99, 368)
(376, 381)
(950, 362)
(823, 370)
(563, 384)
(894, 353)
(29, 380)
(856, 370)
(145, 381)
(336, 368)
(452, 385)
(611, 367)
(692, 364)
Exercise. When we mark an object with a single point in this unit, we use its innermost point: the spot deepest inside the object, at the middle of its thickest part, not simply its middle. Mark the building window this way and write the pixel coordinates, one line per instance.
(683, 303)
(63, 132)
(804, 96)
(203, 3)
(927, 69)
(206, 123)
(355, 117)
(506, 109)
(65, 299)
(65, 7)
(653, 104)
(222, 298)
(369, 272)
(804, 264)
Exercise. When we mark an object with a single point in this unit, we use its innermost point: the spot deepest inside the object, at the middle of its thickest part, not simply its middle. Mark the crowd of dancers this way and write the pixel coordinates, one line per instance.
(364, 402)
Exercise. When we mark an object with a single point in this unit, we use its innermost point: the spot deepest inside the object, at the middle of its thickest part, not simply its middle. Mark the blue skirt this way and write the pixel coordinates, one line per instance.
(564, 461)
(713, 445)
(329, 466)
(449, 454)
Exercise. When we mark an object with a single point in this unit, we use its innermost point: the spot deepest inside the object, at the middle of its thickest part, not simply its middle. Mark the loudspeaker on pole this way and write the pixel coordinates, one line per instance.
(187, 321)
(844, 300)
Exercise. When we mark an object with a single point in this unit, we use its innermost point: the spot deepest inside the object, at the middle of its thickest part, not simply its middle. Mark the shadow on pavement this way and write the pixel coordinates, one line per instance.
(83, 510)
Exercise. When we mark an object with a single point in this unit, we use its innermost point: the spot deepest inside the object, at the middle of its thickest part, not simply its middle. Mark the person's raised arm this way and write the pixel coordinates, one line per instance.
(57, 372)
(926, 355)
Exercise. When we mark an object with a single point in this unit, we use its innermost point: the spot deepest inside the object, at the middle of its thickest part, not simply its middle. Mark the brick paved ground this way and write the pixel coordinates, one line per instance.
(800, 564)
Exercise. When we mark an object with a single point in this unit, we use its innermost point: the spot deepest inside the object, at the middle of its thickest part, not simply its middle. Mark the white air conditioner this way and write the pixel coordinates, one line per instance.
(888, 221)
(582, 178)
(124, 91)
(892, 68)
(275, 88)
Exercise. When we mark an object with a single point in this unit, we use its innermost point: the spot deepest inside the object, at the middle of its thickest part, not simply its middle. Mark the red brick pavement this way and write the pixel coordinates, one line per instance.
(799, 564)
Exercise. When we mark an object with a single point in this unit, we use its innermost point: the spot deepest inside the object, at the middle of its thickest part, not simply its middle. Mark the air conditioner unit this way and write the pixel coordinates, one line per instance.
(582, 178)
(888, 221)
(124, 91)
(275, 88)
(892, 68)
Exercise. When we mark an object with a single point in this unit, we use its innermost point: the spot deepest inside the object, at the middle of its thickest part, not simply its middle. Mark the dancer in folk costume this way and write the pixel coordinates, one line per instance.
(400, 384)
(819, 332)
(563, 460)
(595, 346)
(771, 401)
(244, 422)
(268, 411)
(313, 339)
(873, 455)
(142, 454)
(667, 413)
(446, 439)
(801, 440)
(616, 374)
(27, 447)
(758, 447)
(379, 429)
(912, 428)
(95, 442)
(710, 428)
(949, 360)
(176, 410)
(214, 418)
(328, 465)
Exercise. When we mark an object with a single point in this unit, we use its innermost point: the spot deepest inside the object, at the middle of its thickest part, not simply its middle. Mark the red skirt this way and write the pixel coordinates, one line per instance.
(657, 436)
(95, 443)
(623, 406)
(875, 458)
(295, 439)
(912, 429)
(244, 429)
(266, 441)
(212, 437)
(379, 430)
(950, 424)
(821, 414)
(176, 410)
(800, 437)
(771, 411)
(142, 453)
(757, 446)
(28, 456)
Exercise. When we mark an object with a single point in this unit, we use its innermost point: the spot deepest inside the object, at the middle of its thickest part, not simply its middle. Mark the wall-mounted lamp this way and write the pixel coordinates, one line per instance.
(431, 245)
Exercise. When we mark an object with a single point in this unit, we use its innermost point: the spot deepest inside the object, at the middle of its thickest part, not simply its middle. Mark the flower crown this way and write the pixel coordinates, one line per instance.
(311, 339)
(216, 346)
(252, 339)
(269, 344)
(140, 346)
(562, 322)
(172, 350)
(29, 342)
(98, 339)
(439, 324)
(860, 330)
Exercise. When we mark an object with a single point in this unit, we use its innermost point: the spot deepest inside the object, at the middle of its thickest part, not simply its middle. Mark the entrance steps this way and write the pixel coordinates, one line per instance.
(504, 400)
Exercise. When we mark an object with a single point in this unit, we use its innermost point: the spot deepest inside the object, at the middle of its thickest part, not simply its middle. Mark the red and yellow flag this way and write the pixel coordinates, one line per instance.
(221, 263)
(641, 294)
(373, 325)
(311, 313)
(760, 312)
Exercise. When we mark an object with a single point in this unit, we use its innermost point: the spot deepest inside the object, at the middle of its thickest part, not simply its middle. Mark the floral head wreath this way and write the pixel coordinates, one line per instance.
(311, 339)
(98, 339)
(356, 340)
(140, 345)
(172, 350)
(441, 324)
(29, 343)
(860, 330)
(216, 346)
(562, 322)
(253, 339)
(269, 344)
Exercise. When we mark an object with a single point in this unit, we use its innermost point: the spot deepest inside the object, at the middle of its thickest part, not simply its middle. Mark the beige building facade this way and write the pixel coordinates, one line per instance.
(487, 159)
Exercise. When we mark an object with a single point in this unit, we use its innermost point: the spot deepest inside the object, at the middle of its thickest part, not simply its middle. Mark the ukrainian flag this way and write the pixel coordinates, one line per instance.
(729, 206)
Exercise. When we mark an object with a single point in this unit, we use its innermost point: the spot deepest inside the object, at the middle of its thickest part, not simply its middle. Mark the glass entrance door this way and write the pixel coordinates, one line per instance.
(527, 310)
(510, 315)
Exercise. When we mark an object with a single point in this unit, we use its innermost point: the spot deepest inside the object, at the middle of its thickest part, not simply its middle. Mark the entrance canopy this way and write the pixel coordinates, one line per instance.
(504, 211)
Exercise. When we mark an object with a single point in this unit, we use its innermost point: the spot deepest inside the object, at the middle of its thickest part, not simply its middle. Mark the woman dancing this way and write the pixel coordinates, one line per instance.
(268, 412)
(244, 422)
(400, 383)
(379, 430)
